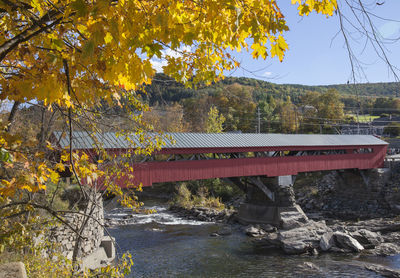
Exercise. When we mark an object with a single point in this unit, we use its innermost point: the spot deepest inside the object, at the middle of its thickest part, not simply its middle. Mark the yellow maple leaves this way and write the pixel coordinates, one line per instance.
(278, 47)
(108, 45)
(326, 7)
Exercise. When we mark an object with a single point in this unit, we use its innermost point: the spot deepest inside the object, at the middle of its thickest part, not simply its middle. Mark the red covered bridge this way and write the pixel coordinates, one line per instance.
(194, 156)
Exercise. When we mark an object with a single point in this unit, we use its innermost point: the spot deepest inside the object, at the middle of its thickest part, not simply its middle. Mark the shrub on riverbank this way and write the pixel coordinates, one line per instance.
(224, 190)
(202, 198)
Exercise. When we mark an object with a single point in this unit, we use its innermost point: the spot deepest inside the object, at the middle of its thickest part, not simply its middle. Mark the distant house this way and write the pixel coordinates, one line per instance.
(307, 108)
(376, 127)
(361, 128)
(394, 145)
(384, 121)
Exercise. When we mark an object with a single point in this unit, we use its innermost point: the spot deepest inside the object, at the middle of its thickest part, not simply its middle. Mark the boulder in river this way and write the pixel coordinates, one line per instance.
(387, 249)
(270, 240)
(225, 231)
(327, 241)
(268, 228)
(254, 231)
(296, 247)
(303, 239)
(293, 219)
(345, 241)
(367, 238)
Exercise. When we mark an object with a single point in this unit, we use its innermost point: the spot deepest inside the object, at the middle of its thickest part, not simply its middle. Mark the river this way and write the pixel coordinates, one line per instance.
(164, 245)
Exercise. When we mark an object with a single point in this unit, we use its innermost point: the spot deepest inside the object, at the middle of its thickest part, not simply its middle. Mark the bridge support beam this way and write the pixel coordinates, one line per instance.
(266, 199)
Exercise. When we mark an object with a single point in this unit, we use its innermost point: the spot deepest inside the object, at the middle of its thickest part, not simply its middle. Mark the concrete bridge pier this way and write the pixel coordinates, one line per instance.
(266, 199)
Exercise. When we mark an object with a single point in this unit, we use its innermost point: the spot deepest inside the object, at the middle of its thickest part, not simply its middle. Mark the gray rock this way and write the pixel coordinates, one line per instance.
(384, 271)
(13, 270)
(225, 231)
(69, 255)
(308, 267)
(268, 228)
(314, 252)
(302, 239)
(335, 249)
(254, 231)
(296, 247)
(269, 240)
(327, 241)
(293, 219)
(347, 242)
(387, 249)
(86, 248)
(366, 237)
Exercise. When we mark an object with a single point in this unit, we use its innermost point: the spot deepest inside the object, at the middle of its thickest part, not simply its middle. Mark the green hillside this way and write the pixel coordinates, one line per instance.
(164, 89)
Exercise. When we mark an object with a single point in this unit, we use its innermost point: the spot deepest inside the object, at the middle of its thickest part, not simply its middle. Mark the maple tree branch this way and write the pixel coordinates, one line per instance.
(15, 214)
(66, 69)
(49, 210)
(38, 27)
(17, 4)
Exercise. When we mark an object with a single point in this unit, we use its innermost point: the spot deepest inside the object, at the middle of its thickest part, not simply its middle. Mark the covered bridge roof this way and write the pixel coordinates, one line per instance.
(109, 140)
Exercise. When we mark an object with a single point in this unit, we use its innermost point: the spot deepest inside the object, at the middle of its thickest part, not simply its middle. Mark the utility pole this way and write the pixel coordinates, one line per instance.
(259, 120)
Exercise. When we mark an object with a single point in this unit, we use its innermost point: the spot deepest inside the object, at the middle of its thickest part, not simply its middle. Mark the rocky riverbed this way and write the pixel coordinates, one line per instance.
(204, 214)
(298, 233)
(312, 242)
(314, 232)
(375, 236)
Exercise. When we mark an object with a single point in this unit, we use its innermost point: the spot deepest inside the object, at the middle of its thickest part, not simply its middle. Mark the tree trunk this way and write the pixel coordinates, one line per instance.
(12, 115)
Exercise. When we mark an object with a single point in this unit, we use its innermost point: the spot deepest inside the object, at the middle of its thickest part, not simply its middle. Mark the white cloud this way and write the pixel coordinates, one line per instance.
(159, 63)
(389, 29)
(5, 105)
(267, 74)
(178, 53)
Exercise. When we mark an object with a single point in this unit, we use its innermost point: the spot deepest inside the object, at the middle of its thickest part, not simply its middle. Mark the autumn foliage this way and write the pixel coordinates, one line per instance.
(71, 56)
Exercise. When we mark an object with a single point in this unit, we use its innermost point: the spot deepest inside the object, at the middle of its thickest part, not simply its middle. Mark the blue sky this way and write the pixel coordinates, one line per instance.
(318, 57)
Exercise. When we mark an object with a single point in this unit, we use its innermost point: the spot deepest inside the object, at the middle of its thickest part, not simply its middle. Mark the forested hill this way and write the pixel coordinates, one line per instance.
(165, 89)
(390, 89)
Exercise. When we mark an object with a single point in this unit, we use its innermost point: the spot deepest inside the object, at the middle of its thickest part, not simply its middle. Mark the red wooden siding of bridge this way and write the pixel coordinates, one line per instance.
(170, 171)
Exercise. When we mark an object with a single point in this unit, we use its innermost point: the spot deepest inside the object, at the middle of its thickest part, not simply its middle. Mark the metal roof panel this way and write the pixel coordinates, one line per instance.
(109, 140)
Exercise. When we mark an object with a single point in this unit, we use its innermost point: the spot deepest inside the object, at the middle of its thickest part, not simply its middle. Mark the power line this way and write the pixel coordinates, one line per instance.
(258, 114)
